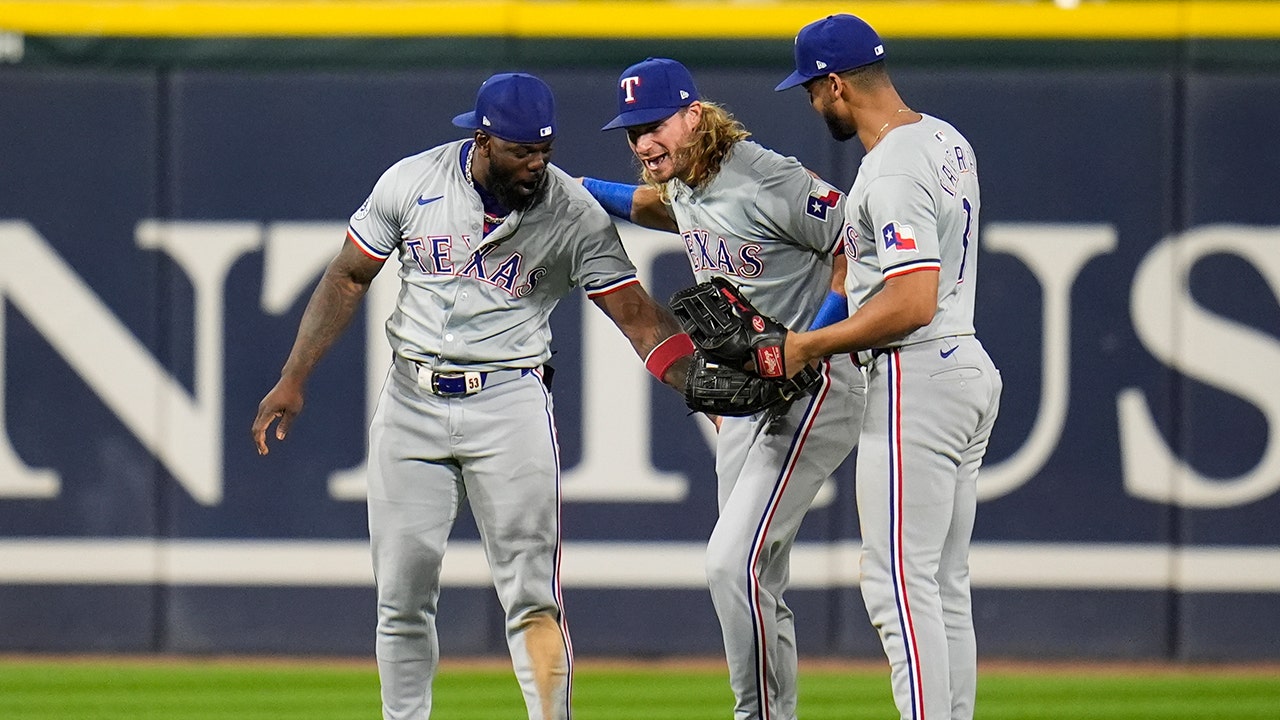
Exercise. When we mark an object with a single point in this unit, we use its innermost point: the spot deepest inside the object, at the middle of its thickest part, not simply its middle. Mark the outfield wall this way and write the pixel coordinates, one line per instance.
(161, 226)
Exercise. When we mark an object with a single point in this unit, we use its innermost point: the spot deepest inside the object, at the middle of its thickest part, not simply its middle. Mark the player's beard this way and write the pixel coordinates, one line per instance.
(679, 161)
(838, 127)
(513, 194)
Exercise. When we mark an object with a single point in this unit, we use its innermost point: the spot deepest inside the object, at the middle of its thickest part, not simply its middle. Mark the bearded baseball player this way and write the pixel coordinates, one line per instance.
(489, 236)
(763, 223)
(932, 391)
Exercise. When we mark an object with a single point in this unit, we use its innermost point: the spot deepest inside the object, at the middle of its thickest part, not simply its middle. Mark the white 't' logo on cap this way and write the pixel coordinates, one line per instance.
(629, 84)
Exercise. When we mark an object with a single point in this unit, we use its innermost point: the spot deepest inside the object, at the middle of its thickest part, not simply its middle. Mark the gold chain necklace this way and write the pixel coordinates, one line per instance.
(489, 217)
(885, 126)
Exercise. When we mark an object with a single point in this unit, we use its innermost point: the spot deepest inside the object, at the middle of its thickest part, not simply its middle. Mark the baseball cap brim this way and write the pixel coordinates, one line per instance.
(641, 117)
(467, 120)
(793, 80)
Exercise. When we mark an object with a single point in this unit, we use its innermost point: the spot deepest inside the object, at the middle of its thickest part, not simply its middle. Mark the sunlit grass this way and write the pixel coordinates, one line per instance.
(184, 689)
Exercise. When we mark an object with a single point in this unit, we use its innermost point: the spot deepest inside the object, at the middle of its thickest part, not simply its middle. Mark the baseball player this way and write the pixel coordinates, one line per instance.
(932, 391)
(489, 236)
(762, 221)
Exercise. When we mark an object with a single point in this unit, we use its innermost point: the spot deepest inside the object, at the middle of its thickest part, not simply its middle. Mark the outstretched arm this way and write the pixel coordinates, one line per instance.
(835, 307)
(839, 271)
(654, 332)
(640, 204)
(905, 304)
(328, 313)
(648, 210)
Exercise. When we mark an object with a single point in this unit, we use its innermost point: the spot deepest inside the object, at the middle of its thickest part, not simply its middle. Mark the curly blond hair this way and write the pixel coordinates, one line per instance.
(713, 138)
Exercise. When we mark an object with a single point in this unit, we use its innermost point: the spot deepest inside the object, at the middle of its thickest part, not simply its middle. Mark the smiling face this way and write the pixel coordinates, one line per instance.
(517, 172)
(661, 146)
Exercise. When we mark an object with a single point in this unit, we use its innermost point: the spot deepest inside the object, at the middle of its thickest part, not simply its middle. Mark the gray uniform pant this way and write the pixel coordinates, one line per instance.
(427, 454)
(769, 468)
(930, 409)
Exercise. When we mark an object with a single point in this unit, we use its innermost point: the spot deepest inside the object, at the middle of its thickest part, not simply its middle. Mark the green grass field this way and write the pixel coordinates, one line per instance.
(183, 689)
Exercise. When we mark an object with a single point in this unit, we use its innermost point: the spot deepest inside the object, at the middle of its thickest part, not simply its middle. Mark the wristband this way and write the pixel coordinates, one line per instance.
(614, 197)
(662, 357)
(834, 309)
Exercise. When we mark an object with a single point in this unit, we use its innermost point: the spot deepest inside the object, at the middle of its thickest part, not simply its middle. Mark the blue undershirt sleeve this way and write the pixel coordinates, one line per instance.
(834, 309)
(614, 197)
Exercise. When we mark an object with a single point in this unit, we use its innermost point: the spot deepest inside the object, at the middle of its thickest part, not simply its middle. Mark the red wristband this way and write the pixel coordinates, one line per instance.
(662, 357)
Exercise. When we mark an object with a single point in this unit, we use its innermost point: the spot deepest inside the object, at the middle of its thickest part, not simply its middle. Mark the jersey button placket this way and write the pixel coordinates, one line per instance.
(450, 348)
(455, 404)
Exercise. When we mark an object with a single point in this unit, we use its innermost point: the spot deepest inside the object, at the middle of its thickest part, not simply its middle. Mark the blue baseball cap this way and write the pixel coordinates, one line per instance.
(652, 90)
(831, 45)
(517, 107)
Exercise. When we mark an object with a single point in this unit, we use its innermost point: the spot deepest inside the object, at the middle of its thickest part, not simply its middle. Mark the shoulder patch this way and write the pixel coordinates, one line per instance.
(820, 202)
(363, 212)
(898, 237)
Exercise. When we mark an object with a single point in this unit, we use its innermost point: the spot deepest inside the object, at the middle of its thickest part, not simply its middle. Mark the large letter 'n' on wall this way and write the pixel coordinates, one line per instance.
(182, 431)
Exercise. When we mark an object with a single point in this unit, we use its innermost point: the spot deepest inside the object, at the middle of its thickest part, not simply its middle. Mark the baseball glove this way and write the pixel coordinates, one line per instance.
(725, 326)
(724, 390)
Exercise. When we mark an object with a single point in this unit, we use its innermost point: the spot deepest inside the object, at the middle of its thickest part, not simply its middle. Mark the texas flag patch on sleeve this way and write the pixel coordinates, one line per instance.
(898, 237)
(821, 201)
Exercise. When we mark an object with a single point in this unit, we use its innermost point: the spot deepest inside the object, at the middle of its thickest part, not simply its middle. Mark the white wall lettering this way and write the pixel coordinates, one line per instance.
(183, 431)
(1055, 254)
(1215, 350)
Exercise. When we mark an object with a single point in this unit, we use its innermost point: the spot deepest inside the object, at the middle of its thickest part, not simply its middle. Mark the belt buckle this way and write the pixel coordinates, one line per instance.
(456, 384)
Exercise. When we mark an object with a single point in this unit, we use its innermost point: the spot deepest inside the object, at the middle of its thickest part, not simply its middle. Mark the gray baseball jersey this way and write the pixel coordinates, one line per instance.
(475, 302)
(915, 207)
(766, 224)
(769, 226)
(932, 399)
(478, 304)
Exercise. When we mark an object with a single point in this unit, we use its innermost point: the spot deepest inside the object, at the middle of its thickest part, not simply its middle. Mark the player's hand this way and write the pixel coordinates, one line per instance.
(794, 353)
(283, 402)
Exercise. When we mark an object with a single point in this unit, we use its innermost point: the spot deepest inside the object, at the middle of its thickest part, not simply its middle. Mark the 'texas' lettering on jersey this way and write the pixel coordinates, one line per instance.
(434, 256)
(849, 243)
(706, 254)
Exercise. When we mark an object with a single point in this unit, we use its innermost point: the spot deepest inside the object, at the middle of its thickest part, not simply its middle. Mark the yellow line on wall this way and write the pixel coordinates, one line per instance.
(768, 19)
